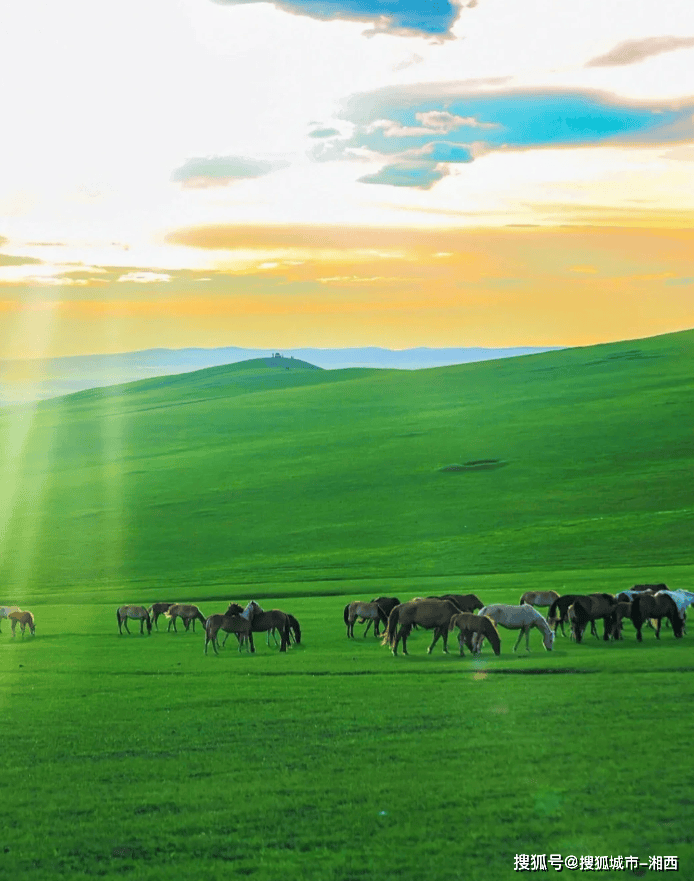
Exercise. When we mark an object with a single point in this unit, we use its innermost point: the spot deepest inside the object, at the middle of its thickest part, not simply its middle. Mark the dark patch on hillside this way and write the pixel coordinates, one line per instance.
(476, 465)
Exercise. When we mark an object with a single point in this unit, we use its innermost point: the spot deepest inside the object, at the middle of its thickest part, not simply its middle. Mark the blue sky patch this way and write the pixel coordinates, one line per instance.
(429, 18)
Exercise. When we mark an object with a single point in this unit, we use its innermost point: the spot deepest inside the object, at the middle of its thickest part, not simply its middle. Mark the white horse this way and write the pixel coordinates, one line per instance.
(5, 611)
(522, 618)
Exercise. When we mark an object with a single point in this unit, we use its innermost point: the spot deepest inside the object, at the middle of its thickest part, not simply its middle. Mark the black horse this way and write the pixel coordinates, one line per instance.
(646, 606)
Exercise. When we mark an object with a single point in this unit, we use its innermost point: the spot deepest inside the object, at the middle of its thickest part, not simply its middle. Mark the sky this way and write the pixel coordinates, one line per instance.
(338, 173)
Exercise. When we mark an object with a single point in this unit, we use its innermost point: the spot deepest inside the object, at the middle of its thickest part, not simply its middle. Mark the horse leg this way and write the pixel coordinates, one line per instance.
(125, 622)
(437, 633)
(142, 626)
(520, 636)
(657, 629)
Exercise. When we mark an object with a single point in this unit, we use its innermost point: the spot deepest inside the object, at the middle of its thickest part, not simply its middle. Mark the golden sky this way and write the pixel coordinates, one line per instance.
(396, 181)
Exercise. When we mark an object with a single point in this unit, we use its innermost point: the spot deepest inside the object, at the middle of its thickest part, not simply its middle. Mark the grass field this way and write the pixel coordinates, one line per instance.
(138, 756)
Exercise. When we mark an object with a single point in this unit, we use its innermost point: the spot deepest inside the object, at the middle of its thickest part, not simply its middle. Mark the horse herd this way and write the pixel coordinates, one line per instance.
(237, 620)
(644, 604)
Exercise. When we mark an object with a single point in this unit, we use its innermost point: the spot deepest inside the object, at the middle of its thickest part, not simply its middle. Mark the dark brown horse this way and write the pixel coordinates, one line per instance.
(466, 602)
(431, 614)
(185, 613)
(157, 609)
(262, 621)
(615, 620)
(469, 624)
(387, 604)
(229, 624)
(644, 606)
(586, 610)
(558, 614)
(364, 611)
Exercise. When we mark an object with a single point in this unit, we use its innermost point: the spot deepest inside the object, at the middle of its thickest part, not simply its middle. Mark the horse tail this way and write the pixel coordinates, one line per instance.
(346, 613)
(118, 617)
(391, 627)
(522, 601)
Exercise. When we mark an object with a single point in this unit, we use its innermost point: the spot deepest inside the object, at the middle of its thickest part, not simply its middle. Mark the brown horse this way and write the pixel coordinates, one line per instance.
(24, 619)
(539, 597)
(185, 613)
(645, 606)
(587, 610)
(262, 622)
(431, 614)
(466, 602)
(615, 620)
(469, 624)
(157, 609)
(136, 613)
(558, 614)
(229, 624)
(366, 611)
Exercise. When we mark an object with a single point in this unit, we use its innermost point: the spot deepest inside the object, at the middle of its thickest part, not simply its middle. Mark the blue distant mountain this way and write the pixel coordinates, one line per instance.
(38, 379)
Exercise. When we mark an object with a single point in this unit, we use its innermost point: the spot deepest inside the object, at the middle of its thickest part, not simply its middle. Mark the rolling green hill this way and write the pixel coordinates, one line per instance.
(574, 459)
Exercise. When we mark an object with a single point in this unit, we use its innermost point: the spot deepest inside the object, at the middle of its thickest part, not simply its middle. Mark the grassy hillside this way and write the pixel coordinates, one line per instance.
(249, 473)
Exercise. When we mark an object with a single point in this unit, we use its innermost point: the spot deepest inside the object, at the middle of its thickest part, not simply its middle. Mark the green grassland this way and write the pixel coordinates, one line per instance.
(136, 756)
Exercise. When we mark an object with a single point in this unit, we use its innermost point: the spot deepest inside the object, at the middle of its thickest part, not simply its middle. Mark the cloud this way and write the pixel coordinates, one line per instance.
(218, 171)
(145, 277)
(633, 51)
(403, 123)
(12, 260)
(422, 175)
(399, 17)
(324, 133)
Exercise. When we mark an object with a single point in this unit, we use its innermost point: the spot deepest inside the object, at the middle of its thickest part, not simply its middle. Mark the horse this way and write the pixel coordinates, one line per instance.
(522, 618)
(229, 624)
(262, 621)
(186, 613)
(467, 602)
(539, 597)
(294, 629)
(5, 611)
(645, 606)
(387, 604)
(558, 614)
(157, 609)
(137, 613)
(614, 621)
(587, 610)
(468, 623)
(367, 611)
(24, 619)
(430, 614)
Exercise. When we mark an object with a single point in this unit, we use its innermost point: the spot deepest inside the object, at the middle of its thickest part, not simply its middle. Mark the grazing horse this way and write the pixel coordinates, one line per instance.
(186, 613)
(367, 611)
(229, 624)
(539, 597)
(645, 606)
(478, 624)
(157, 609)
(522, 618)
(387, 604)
(294, 629)
(5, 611)
(586, 610)
(24, 619)
(558, 614)
(430, 614)
(614, 621)
(137, 613)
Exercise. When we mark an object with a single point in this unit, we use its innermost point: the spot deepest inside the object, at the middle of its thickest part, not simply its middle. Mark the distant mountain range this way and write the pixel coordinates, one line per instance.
(39, 379)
